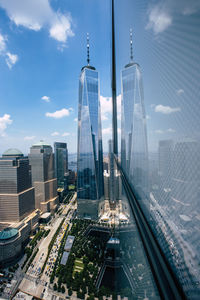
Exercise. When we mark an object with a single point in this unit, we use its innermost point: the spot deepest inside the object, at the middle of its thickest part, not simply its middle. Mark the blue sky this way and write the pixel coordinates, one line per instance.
(43, 48)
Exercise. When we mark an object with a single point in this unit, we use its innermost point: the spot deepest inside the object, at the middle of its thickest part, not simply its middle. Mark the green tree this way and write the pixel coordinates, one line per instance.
(63, 289)
(55, 287)
(69, 292)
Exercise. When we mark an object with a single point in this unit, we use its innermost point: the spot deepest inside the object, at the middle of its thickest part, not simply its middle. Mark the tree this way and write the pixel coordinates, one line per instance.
(55, 287)
(69, 292)
(63, 289)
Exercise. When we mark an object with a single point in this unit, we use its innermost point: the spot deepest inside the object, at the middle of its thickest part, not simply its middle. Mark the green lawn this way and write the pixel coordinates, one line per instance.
(78, 265)
(71, 187)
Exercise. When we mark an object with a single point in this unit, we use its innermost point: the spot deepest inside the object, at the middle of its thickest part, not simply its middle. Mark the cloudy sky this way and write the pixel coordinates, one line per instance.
(43, 48)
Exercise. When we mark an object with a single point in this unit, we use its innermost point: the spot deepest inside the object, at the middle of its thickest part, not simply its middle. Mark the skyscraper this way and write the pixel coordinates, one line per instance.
(18, 216)
(134, 153)
(89, 153)
(61, 164)
(16, 191)
(43, 177)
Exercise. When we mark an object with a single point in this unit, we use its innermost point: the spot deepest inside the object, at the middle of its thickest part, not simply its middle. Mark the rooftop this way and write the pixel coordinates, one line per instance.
(41, 143)
(8, 233)
(12, 152)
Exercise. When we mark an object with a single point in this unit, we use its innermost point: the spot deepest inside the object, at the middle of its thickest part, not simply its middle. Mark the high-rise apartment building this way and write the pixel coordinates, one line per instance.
(61, 164)
(43, 177)
(89, 154)
(16, 191)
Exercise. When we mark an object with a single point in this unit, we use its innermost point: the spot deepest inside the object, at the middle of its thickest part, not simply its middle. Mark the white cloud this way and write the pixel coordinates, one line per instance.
(61, 28)
(11, 59)
(166, 109)
(75, 119)
(46, 98)
(2, 43)
(38, 14)
(159, 19)
(58, 114)
(29, 138)
(106, 107)
(160, 16)
(180, 92)
(66, 134)
(106, 131)
(171, 130)
(159, 131)
(4, 122)
(55, 133)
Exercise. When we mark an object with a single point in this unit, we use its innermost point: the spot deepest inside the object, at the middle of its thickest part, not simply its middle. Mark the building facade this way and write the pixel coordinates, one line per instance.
(61, 164)
(16, 191)
(134, 150)
(90, 187)
(43, 177)
(18, 216)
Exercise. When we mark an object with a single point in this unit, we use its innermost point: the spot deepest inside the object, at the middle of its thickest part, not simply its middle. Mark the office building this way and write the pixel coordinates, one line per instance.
(61, 164)
(43, 177)
(18, 216)
(90, 188)
(16, 191)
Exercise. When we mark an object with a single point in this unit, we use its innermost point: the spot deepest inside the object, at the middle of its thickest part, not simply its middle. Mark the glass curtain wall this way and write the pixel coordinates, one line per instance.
(160, 142)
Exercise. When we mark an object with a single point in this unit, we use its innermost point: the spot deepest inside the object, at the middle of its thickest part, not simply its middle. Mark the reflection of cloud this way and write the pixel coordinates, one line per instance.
(160, 15)
(29, 138)
(4, 122)
(58, 114)
(148, 117)
(160, 131)
(171, 130)
(75, 119)
(166, 109)
(37, 14)
(159, 19)
(55, 133)
(46, 98)
(180, 92)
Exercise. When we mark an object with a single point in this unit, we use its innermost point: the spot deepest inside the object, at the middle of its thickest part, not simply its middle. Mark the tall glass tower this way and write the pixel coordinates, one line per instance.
(90, 187)
(134, 152)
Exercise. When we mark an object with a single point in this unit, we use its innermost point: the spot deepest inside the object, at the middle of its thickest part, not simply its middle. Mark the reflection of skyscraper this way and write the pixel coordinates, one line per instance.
(134, 154)
(186, 178)
(165, 161)
(43, 179)
(90, 157)
(61, 162)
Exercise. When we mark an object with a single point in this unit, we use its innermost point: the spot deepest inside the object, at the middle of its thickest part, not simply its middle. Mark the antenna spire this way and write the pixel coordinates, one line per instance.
(131, 44)
(88, 49)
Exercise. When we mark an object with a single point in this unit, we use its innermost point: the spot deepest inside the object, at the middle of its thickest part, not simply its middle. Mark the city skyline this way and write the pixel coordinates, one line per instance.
(53, 101)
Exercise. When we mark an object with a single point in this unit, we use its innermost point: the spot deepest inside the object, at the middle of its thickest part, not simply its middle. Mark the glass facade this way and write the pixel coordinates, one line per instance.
(134, 152)
(61, 162)
(89, 154)
(162, 165)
